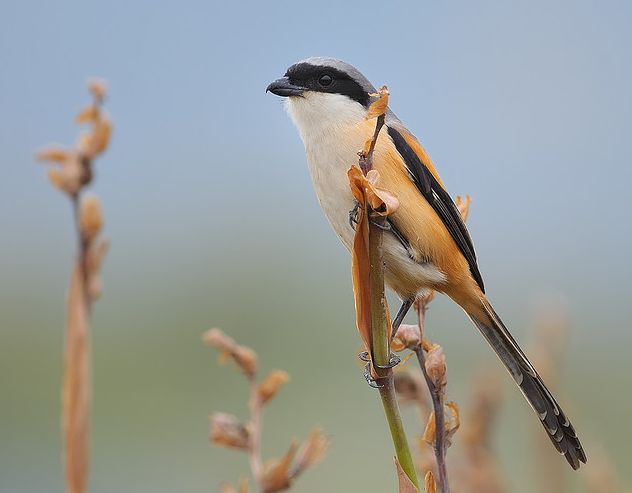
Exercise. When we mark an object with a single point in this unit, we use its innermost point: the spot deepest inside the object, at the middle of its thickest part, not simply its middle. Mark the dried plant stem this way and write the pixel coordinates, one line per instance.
(380, 336)
(72, 172)
(76, 379)
(437, 404)
(254, 451)
(381, 355)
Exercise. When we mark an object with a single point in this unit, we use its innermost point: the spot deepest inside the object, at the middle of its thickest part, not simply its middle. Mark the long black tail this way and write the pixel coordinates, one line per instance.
(555, 422)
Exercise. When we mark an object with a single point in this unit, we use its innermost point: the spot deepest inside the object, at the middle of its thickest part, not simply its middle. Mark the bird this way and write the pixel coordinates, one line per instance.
(426, 245)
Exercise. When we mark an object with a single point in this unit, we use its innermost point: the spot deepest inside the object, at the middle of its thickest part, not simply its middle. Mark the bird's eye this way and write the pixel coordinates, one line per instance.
(325, 80)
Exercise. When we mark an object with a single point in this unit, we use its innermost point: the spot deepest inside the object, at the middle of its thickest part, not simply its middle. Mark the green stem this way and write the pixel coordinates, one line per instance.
(381, 352)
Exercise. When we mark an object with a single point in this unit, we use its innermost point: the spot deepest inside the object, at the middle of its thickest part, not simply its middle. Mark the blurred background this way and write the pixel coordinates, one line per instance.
(526, 106)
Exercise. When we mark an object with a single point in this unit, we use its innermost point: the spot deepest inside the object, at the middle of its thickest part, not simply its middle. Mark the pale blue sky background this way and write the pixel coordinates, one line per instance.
(524, 105)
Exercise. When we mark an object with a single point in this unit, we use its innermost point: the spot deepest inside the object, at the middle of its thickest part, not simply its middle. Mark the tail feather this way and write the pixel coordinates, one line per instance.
(555, 422)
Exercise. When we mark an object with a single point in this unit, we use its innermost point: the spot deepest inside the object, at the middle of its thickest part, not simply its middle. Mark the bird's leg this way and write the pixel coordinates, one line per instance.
(379, 222)
(401, 313)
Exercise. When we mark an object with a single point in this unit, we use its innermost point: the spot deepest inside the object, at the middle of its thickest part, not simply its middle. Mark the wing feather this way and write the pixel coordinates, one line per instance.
(432, 190)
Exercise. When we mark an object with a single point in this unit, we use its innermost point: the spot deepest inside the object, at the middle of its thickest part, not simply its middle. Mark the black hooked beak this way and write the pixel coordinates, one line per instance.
(283, 87)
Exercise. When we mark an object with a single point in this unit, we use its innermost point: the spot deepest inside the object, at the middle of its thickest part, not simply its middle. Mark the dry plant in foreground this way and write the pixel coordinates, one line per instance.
(474, 467)
(228, 431)
(444, 419)
(71, 174)
(374, 205)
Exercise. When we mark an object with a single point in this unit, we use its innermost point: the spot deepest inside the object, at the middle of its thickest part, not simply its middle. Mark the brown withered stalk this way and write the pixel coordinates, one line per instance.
(74, 171)
(432, 364)
(228, 431)
(374, 205)
(436, 386)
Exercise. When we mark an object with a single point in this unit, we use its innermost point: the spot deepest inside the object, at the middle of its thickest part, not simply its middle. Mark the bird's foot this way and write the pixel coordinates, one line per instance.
(377, 383)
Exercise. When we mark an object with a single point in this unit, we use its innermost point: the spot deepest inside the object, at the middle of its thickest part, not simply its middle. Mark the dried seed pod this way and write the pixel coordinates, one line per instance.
(53, 154)
(463, 205)
(276, 476)
(429, 483)
(408, 337)
(217, 339)
(379, 106)
(311, 452)
(228, 431)
(89, 114)
(436, 367)
(271, 384)
(98, 89)
(90, 217)
(246, 359)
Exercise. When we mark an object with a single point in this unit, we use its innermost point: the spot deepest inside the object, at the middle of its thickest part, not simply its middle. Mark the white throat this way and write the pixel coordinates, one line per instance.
(332, 128)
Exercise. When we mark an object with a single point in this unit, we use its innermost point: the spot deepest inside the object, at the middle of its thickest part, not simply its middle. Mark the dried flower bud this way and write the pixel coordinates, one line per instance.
(89, 114)
(408, 337)
(98, 89)
(271, 384)
(463, 205)
(452, 421)
(101, 136)
(90, 217)
(405, 484)
(217, 339)
(246, 359)
(379, 106)
(436, 367)
(276, 476)
(53, 154)
(429, 483)
(228, 431)
(311, 452)
(94, 143)
(70, 177)
(451, 424)
(430, 432)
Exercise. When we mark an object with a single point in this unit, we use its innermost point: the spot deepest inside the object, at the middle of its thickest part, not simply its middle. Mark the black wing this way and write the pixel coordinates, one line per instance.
(440, 201)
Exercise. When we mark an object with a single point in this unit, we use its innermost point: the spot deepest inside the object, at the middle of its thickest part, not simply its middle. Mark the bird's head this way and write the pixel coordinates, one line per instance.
(323, 93)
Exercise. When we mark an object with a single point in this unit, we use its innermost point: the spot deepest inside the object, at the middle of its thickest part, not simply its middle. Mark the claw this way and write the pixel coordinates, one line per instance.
(393, 361)
(369, 379)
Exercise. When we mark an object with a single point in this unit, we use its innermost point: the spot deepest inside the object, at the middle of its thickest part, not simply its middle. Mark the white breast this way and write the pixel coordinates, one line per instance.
(330, 126)
(333, 130)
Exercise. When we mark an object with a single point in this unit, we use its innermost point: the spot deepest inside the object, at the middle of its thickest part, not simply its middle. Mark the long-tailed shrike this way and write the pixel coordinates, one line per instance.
(427, 245)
